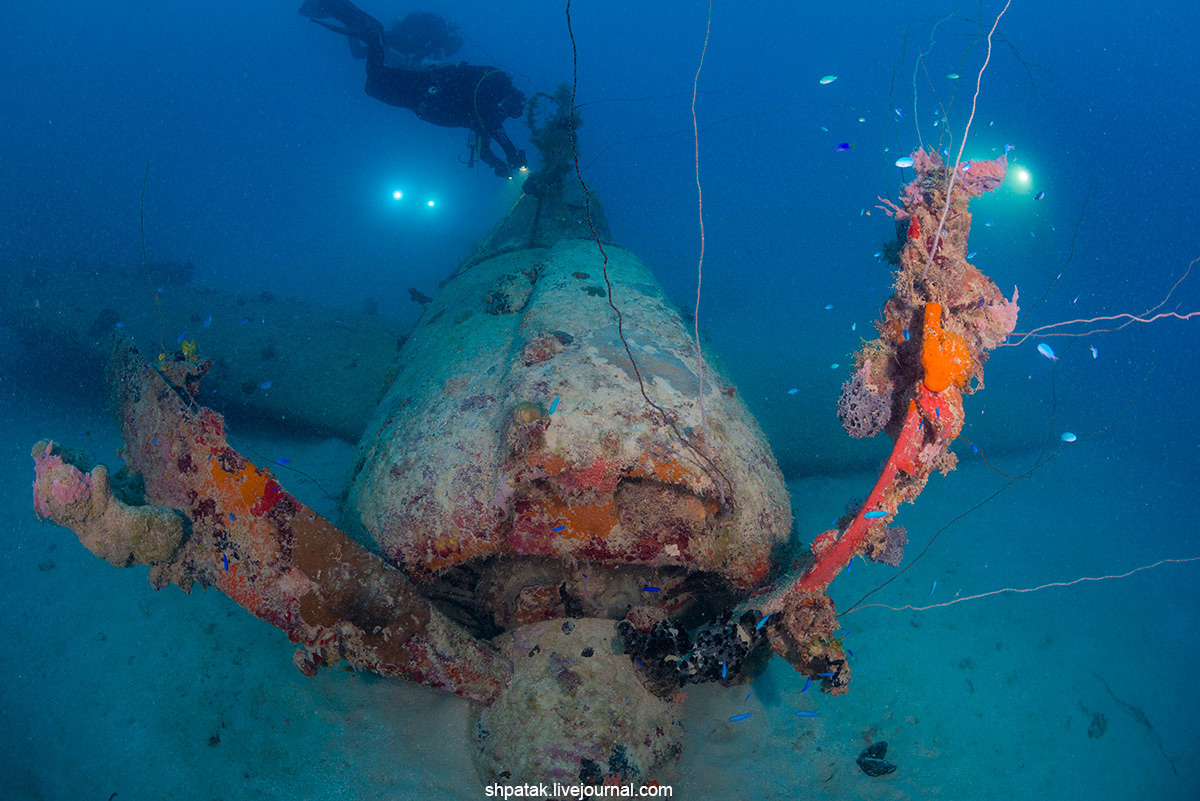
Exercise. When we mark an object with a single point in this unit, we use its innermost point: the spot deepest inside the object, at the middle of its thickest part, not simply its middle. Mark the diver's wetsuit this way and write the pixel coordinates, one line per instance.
(462, 95)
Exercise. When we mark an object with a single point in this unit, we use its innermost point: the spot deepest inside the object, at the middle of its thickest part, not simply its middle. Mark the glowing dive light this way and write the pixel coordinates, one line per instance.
(397, 195)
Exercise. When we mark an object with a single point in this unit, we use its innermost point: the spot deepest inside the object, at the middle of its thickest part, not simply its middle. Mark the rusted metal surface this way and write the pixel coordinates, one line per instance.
(275, 556)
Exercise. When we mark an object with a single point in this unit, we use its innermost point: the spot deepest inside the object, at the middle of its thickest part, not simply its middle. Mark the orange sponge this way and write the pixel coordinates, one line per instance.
(944, 354)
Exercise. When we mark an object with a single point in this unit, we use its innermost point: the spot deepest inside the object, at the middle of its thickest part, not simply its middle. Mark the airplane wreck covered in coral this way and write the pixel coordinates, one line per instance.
(555, 512)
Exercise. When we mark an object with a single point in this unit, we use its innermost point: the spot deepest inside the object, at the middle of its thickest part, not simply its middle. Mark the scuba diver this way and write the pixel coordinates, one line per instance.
(402, 71)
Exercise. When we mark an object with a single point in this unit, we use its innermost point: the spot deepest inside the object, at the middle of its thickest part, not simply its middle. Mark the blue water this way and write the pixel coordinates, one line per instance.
(270, 169)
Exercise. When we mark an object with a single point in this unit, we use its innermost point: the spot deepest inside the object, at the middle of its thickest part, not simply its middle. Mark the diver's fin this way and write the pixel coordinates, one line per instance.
(357, 48)
(358, 22)
(314, 9)
(335, 29)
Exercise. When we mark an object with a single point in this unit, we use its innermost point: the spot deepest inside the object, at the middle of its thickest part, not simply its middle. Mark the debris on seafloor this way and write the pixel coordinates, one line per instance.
(872, 761)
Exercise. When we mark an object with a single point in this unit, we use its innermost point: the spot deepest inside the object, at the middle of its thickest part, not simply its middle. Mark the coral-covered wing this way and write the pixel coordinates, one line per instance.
(267, 551)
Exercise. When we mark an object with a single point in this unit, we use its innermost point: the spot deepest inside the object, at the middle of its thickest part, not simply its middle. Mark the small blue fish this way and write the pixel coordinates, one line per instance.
(741, 717)
(1047, 351)
(878, 254)
(154, 440)
(762, 622)
(724, 669)
(181, 336)
(208, 321)
(244, 320)
(827, 675)
(841, 146)
(1007, 148)
(1068, 437)
(975, 448)
(899, 113)
(1039, 196)
(225, 559)
(875, 514)
(120, 325)
(849, 652)
(828, 306)
(650, 589)
(807, 684)
(904, 162)
(834, 366)
(906, 335)
(553, 405)
(283, 460)
(801, 713)
(850, 564)
(931, 589)
(1095, 353)
(557, 528)
(231, 517)
(971, 255)
(793, 390)
(966, 167)
(265, 385)
(748, 697)
(987, 224)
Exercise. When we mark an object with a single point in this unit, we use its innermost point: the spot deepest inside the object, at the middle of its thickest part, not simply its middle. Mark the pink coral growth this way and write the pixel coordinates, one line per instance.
(973, 177)
(77, 487)
(926, 161)
(1003, 316)
(891, 209)
(979, 177)
(912, 197)
(67, 484)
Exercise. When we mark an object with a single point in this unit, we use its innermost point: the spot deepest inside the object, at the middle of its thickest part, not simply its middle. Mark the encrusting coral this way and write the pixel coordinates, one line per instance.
(120, 534)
